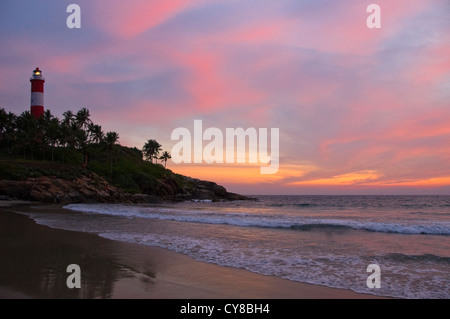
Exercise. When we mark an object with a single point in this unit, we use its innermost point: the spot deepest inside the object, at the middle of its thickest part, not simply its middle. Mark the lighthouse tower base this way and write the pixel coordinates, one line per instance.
(37, 111)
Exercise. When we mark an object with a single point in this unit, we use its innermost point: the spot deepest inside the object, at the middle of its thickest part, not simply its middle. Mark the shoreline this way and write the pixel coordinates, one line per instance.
(35, 258)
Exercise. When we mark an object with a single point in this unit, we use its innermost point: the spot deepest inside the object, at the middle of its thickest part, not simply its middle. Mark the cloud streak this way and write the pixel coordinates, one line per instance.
(356, 107)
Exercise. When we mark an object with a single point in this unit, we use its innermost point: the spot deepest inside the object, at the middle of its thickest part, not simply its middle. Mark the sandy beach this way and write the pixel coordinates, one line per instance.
(35, 258)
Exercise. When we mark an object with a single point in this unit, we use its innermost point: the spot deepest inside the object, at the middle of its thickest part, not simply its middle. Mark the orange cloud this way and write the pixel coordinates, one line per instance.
(426, 182)
(373, 179)
(354, 178)
(238, 173)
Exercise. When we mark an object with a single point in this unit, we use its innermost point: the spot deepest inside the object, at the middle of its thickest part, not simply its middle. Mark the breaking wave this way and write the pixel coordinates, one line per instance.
(292, 222)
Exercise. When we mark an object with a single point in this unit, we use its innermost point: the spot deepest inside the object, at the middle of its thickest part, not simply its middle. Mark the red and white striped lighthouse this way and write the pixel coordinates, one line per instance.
(37, 93)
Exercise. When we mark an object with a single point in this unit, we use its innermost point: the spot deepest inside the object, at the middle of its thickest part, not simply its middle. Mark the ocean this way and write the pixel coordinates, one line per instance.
(324, 240)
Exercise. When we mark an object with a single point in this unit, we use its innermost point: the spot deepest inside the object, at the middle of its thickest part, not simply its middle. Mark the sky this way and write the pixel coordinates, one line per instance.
(359, 110)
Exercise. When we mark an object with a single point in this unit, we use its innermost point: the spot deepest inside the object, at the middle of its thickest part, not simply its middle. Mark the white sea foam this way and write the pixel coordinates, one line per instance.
(320, 240)
(288, 221)
(325, 269)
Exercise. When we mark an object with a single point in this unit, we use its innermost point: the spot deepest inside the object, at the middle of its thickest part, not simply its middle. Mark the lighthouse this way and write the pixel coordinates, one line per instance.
(37, 93)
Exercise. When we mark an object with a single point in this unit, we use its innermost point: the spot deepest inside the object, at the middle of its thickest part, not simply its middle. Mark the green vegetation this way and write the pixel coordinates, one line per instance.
(151, 150)
(165, 156)
(75, 146)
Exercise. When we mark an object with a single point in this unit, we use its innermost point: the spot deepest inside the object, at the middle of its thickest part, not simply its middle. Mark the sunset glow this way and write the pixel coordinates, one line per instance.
(366, 110)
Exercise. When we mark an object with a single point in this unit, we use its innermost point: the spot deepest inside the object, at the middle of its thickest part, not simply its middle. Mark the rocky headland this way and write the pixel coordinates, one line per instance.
(92, 188)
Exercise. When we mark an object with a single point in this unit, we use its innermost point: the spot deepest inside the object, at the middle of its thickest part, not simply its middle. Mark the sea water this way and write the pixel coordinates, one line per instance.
(325, 240)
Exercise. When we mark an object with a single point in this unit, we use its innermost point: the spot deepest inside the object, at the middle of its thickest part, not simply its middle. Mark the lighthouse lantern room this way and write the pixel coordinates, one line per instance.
(37, 93)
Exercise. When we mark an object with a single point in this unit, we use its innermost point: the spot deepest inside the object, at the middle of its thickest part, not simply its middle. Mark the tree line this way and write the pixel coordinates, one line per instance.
(27, 136)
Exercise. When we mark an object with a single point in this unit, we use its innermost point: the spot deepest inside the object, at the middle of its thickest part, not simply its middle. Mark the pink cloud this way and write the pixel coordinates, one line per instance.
(207, 79)
(343, 29)
(130, 18)
(400, 151)
(432, 65)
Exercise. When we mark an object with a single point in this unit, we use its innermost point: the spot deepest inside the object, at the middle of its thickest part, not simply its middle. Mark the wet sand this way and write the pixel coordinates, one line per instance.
(34, 259)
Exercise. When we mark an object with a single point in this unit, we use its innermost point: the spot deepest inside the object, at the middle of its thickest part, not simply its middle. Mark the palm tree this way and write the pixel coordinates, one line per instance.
(53, 133)
(7, 128)
(82, 122)
(82, 118)
(27, 130)
(96, 134)
(3, 120)
(81, 142)
(68, 117)
(67, 124)
(164, 157)
(47, 116)
(151, 150)
(111, 139)
(7, 125)
(43, 129)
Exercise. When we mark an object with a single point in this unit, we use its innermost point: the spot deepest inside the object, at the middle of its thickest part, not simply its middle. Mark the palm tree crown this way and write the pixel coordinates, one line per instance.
(165, 156)
(151, 150)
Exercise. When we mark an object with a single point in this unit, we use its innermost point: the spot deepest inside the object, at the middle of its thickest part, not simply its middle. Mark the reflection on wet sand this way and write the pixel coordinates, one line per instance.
(34, 260)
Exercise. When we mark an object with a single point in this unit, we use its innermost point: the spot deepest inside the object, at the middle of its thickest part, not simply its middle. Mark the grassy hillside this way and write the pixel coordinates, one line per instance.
(124, 167)
(43, 152)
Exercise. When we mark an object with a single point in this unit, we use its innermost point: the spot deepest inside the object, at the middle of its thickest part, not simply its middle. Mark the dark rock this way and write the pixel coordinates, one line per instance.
(94, 188)
(55, 190)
